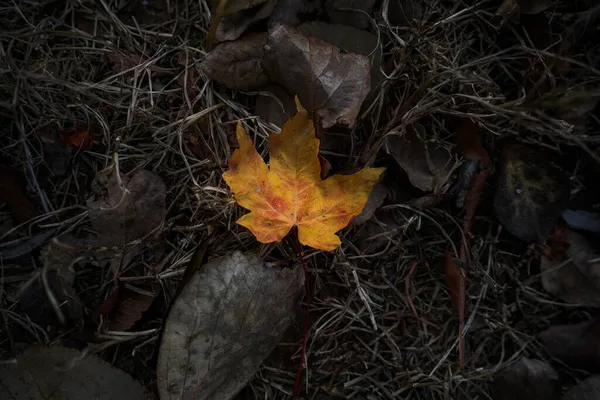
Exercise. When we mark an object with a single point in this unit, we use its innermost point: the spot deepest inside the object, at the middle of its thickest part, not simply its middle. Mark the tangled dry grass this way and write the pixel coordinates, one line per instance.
(129, 69)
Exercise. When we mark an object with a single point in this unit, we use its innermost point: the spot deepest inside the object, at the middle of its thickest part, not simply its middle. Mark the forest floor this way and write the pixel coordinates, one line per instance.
(89, 86)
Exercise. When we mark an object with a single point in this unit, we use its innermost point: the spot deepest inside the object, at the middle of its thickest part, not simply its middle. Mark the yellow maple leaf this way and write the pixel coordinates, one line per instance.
(289, 192)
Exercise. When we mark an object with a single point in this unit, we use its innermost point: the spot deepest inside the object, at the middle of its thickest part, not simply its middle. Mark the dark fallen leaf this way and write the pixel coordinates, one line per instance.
(42, 373)
(577, 279)
(12, 192)
(25, 246)
(123, 308)
(325, 166)
(228, 7)
(275, 105)
(128, 212)
(526, 379)
(78, 136)
(510, 8)
(237, 64)
(582, 220)
(588, 389)
(577, 345)
(574, 103)
(331, 84)
(404, 12)
(226, 320)
(375, 200)
(289, 12)
(466, 173)
(469, 143)
(456, 283)
(530, 194)
(126, 62)
(233, 26)
(350, 40)
(428, 166)
(350, 12)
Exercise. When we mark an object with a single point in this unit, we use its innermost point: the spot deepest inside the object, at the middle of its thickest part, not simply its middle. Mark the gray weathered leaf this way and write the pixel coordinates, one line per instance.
(526, 379)
(226, 320)
(530, 193)
(375, 200)
(233, 26)
(576, 280)
(128, 212)
(237, 64)
(350, 12)
(428, 166)
(350, 40)
(588, 389)
(46, 373)
(328, 82)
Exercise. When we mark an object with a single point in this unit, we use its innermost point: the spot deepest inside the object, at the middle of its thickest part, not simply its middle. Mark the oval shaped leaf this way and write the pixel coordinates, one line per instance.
(226, 320)
(43, 373)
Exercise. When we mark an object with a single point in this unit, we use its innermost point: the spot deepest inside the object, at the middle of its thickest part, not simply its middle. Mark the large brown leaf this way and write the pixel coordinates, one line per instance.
(237, 64)
(526, 379)
(42, 373)
(329, 83)
(226, 320)
(577, 345)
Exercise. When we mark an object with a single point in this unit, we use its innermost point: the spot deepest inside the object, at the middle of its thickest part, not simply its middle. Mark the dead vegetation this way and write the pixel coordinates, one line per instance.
(382, 323)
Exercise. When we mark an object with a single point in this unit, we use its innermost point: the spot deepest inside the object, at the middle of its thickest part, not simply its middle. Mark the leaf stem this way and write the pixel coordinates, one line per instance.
(305, 330)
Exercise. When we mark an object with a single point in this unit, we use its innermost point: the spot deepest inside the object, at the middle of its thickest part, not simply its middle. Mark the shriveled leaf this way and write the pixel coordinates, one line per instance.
(577, 345)
(237, 64)
(275, 105)
(456, 283)
(375, 200)
(428, 166)
(233, 26)
(226, 320)
(12, 192)
(530, 194)
(43, 373)
(526, 379)
(350, 40)
(329, 83)
(124, 307)
(577, 279)
(128, 212)
(228, 7)
(289, 192)
(589, 389)
(583, 220)
(350, 12)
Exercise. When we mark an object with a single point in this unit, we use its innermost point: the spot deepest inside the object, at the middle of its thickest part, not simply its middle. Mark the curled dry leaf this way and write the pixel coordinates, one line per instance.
(428, 166)
(577, 345)
(530, 194)
(233, 26)
(589, 389)
(329, 83)
(226, 320)
(577, 279)
(290, 192)
(129, 209)
(237, 64)
(42, 373)
(527, 379)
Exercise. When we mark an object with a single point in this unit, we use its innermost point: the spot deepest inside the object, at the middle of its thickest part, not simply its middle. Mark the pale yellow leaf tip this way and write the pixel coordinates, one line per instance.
(298, 104)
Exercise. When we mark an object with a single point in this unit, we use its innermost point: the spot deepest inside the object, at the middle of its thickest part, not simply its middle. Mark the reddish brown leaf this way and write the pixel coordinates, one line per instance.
(78, 136)
(13, 194)
(456, 283)
(469, 143)
(577, 345)
(130, 308)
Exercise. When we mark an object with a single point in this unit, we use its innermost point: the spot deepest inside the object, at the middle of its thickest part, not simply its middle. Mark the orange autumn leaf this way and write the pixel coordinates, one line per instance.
(289, 192)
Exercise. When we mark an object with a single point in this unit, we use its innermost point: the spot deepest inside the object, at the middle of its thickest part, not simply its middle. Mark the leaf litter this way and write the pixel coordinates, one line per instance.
(442, 65)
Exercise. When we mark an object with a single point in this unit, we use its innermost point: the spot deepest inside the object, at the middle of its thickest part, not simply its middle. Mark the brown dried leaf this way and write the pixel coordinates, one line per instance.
(577, 345)
(427, 165)
(576, 280)
(469, 143)
(233, 26)
(527, 379)
(129, 212)
(226, 320)
(530, 194)
(123, 308)
(42, 373)
(329, 83)
(237, 65)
